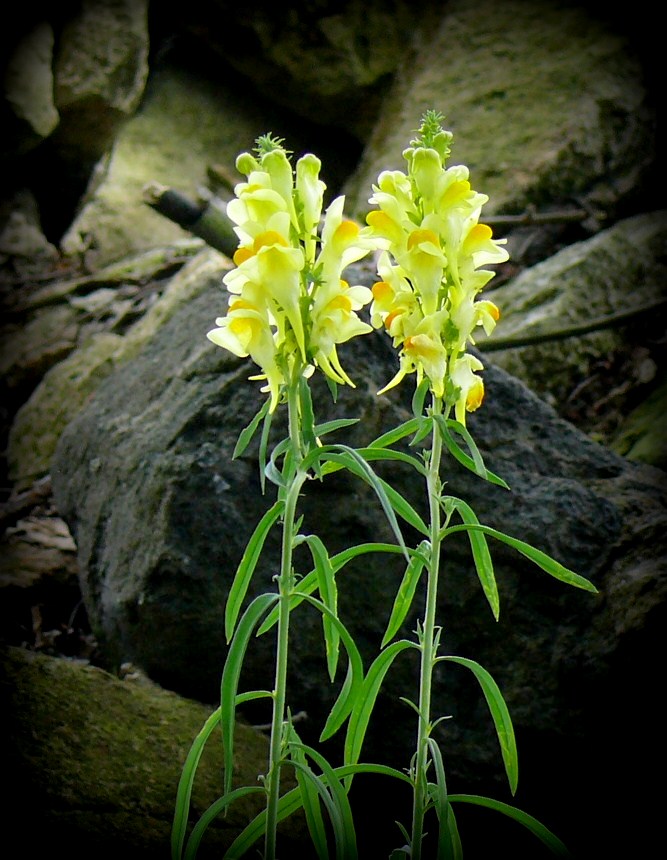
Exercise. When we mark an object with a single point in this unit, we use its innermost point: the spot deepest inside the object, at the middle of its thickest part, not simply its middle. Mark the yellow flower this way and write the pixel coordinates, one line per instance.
(246, 331)
(469, 385)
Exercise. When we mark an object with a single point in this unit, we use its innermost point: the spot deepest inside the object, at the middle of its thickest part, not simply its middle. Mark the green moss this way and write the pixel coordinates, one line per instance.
(95, 761)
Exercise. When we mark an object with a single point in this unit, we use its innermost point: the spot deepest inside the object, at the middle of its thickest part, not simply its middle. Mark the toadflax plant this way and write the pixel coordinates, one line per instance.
(288, 309)
(431, 270)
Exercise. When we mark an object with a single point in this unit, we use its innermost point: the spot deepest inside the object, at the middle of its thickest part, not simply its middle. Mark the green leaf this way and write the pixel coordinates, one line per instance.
(186, 781)
(419, 397)
(307, 414)
(501, 717)
(356, 464)
(449, 841)
(474, 463)
(247, 565)
(232, 672)
(541, 559)
(213, 811)
(365, 701)
(406, 591)
(397, 433)
(536, 828)
(355, 675)
(291, 801)
(245, 436)
(241, 698)
(369, 454)
(339, 809)
(329, 594)
(311, 788)
(309, 582)
(480, 553)
(331, 426)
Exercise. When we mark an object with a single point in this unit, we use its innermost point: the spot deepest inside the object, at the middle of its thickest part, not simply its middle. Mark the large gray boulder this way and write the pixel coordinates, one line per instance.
(161, 515)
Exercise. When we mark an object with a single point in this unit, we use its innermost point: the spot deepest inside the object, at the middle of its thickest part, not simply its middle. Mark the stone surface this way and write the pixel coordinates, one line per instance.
(355, 49)
(545, 102)
(620, 269)
(28, 90)
(66, 386)
(100, 72)
(94, 761)
(161, 516)
(186, 124)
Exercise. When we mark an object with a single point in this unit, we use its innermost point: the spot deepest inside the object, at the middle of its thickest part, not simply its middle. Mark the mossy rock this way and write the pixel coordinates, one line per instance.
(93, 762)
(643, 435)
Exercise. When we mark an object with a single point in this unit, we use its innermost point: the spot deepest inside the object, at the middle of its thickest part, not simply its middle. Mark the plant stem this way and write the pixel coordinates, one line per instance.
(428, 641)
(286, 582)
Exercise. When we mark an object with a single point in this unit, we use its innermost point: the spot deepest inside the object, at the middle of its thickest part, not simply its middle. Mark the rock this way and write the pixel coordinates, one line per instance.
(94, 762)
(28, 90)
(620, 269)
(67, 385)
(546, 103)
(24, 249)
(643, 434)
(186, 123)
(356, 51)
(161, 515)
(100, 71)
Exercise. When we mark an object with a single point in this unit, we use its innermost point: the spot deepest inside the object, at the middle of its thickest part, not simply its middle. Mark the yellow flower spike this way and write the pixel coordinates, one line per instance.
(246, 331)
(279, 270)
(480, 245)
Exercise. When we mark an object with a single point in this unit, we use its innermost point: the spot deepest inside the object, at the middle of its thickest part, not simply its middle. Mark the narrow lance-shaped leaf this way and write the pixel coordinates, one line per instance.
(358, 466)
(480, 553)
(291, 801)
(406, 591)
(329, 594)
(419, 397)
(184, 792)
(396, 434)
(311, 790)
(342, 820)
(263, 445)
(449, 841)
(308, 584)
(355, 677)
(541, 559)
(475, 462)
(500, 714)
(536, 827)
(247, 566)
(232, 672)
(365, 701)
(245, 436)
(208, 817)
